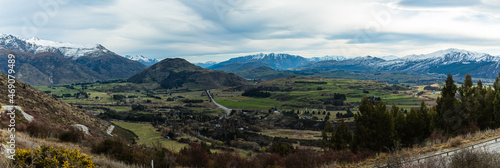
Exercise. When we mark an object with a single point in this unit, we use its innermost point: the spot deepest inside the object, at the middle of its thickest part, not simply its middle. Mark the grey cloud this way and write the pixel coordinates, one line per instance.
(439, 3)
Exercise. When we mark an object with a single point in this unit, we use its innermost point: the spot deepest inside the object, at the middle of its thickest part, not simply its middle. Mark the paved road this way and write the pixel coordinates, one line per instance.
(228, 110)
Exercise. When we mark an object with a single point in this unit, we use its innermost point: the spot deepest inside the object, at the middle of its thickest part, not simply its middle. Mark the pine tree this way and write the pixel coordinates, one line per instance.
(374, 127)
(423, 114)
(481, 109)
(414, 128)
(496, 102)
(467, 103)
(447, 119)
(326, 139)
(399, 123)
(383, 128)
(361, 128)
(342, 137)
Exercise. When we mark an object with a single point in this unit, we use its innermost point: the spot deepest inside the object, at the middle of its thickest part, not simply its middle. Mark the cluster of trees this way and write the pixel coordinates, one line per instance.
(337, 99)
(256, 93)
(459, 110)
(379, 129)
(346, 115)
(478, 107)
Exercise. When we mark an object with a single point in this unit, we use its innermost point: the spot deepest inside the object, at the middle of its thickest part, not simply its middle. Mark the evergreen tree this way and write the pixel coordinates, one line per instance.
(432, 117)
(399, 123)
(374, 127)
(326, 139)
(496, 102)
(467, 103)
(414, 125)
(361, 122)
(423, 114)
(447, 119)
(342, 137)
(483, 109)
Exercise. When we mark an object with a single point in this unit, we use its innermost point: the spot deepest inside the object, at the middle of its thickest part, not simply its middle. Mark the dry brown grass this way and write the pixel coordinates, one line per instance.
(456, 141)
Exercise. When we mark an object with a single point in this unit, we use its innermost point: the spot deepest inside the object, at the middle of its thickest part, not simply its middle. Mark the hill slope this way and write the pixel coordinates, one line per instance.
(263, 72)
(176, 72)
(46, 109)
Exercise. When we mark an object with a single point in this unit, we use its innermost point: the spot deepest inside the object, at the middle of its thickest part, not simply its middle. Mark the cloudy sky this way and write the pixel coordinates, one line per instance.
(202, 30)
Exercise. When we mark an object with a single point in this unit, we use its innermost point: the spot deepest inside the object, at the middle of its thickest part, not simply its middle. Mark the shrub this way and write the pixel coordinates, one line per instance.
(114, 148)
(455, 142)
(227, 159)
(41, 130)
(194, 156)
(73, 135)
(50, 157)
(282, 149)
(303, 158)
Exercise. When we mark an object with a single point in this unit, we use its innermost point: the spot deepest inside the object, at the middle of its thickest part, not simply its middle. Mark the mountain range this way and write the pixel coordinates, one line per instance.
(455, 61)
(42, 62)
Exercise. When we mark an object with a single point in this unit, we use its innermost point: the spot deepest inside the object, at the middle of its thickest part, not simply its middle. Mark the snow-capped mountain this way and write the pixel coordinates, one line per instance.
(35, 46)
(327, 58)
(205, 64)
(43, 62)
(455, 61)
(275, 61)
(142, 59)
(454, 55)
(388, 57)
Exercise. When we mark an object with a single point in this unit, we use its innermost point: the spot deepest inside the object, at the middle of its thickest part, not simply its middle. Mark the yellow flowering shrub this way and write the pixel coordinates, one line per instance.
(50, 157)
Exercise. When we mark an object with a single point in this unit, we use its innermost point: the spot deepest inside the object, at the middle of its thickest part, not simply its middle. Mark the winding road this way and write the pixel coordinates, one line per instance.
(228, 110)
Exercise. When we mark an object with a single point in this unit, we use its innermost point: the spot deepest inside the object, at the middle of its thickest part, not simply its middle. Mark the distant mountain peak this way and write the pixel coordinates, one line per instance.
(206, 64)
(454, 55)
(142, 59)
(327, 58)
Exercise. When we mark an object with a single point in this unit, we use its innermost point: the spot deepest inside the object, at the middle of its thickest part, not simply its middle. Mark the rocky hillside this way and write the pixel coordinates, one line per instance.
(53, 113)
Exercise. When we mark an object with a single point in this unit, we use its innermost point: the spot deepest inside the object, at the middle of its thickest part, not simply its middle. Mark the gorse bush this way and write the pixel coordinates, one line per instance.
(50, 157)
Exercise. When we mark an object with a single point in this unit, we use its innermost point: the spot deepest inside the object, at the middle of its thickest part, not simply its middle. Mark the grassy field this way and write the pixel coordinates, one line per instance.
(304, 94)
(147, 135)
